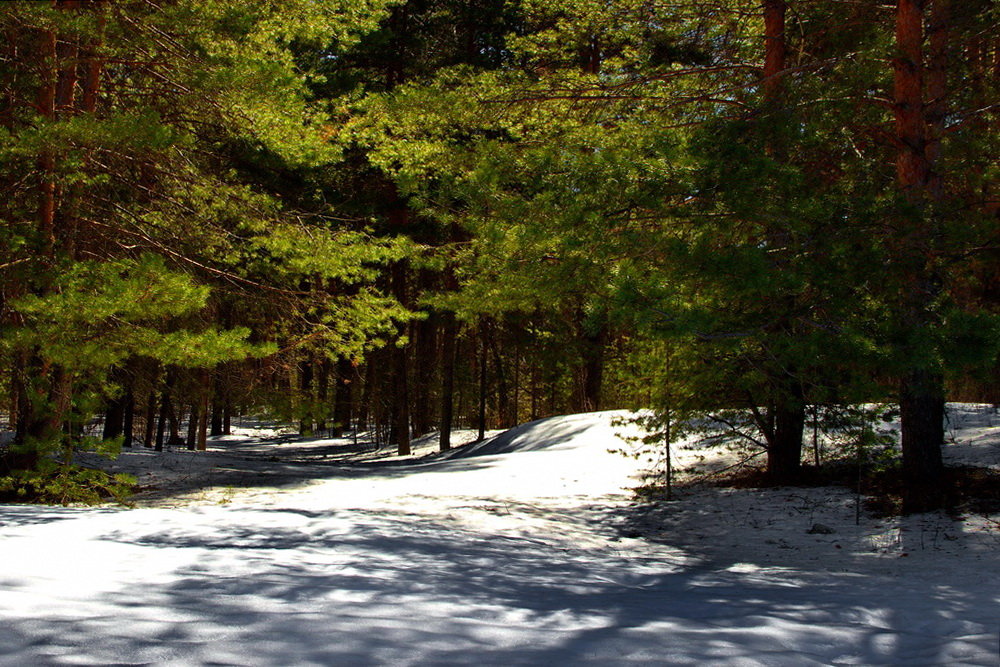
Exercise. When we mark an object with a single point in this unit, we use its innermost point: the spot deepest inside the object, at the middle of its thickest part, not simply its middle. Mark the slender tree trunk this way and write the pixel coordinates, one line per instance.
(305, 391)
(14, 400)
(595, 346)
(669, 461)
(367, 394)
(167, 411)
(482, 383)
(399, 219)
(426, 360)
(25, 459)
(515, 416)
(533, 389)
(94, 63)
(46, 105)
(201, 439)
(323, 394)
(161, 422)
(449, 333)
(401, 402)
(129, 418)
(218, 402)
(502, 386)
(343, 399)
(150, 425)
(192, 434)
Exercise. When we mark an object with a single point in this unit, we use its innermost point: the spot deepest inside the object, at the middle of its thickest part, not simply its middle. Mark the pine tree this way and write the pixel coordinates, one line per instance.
(120, 114)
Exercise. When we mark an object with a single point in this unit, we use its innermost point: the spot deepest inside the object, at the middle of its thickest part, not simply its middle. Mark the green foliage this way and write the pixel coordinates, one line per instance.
(100, 313)
(301, 180)
(866, 434)
(53, 483)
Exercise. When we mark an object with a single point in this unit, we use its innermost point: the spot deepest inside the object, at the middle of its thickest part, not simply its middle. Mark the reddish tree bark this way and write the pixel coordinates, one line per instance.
(775, 48)
(921, 391)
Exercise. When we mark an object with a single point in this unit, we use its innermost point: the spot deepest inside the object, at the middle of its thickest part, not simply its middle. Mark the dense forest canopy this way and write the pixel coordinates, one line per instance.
(404, 216)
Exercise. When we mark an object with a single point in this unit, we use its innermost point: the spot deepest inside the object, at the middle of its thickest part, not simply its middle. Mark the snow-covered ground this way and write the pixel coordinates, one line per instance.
(524, 549)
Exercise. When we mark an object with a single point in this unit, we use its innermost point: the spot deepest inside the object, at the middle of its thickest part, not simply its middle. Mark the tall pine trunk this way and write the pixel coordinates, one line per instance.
(921, 386)
(788, 413)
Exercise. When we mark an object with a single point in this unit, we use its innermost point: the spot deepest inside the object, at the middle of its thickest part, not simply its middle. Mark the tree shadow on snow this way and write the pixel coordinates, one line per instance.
(357, 587)
(881, 578)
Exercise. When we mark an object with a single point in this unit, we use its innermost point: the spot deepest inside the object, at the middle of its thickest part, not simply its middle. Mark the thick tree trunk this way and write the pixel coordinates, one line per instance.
(912, 168)
(775, 48)
(784, 453)
(921, 394)
(788, 413)
(921, 404)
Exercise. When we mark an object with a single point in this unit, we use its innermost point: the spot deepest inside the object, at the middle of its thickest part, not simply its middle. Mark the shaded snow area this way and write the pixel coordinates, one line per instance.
(523, 549)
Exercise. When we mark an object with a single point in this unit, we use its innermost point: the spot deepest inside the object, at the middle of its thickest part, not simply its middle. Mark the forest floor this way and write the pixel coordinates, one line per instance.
(527, 548)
